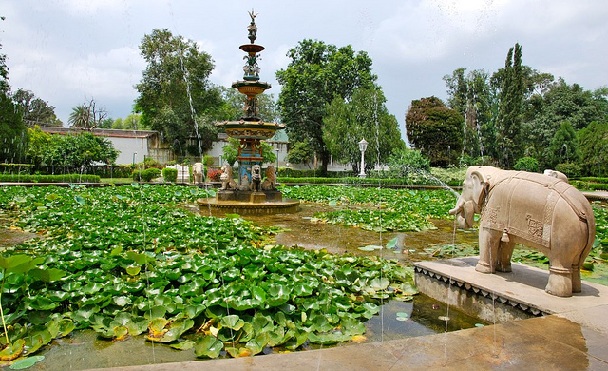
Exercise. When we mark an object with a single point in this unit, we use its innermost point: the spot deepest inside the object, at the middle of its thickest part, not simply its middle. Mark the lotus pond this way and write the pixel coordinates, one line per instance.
(134, 262)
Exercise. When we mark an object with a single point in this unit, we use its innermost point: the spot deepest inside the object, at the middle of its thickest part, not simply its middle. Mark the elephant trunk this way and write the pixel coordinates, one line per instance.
(463, 212)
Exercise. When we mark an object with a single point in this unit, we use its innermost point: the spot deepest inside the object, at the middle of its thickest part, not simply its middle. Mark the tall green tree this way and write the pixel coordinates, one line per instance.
(35, 111)
(561, 102)
(317, 74)
(176, 96)
(509, 120)
(470, 95)
(13, 133)
(234, 103)
(132, 121)
(593, 145)
(563, 148)
(78, 151)
(364, 116)
(435, 129)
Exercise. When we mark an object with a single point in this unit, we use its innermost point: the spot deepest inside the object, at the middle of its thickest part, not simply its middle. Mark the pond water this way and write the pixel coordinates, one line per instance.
(396, 320)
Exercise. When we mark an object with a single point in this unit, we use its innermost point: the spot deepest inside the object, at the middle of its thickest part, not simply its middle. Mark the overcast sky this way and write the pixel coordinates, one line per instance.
(69, 51)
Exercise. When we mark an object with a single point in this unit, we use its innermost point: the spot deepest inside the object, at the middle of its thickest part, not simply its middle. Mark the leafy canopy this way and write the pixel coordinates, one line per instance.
(317, 74)
(176, 97)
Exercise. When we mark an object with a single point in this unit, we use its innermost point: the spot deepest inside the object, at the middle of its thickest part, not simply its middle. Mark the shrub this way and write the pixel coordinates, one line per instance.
(208, 160)
(571, 170)
(214, 174)
(63, 178)
(527, 164)
(150, 162)
(170, 174)
(150, 173)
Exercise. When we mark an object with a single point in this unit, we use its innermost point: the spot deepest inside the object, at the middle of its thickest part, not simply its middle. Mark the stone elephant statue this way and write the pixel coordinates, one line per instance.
(533, 209)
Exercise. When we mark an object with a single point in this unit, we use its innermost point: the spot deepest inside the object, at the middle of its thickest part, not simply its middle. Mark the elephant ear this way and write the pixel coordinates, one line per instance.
(480, 187)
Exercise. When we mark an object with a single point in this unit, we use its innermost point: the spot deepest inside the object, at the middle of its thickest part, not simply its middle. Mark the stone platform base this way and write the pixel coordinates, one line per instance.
(499, 297)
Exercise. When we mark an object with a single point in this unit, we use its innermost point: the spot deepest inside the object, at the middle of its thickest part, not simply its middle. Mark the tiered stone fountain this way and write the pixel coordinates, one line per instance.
(250, 193)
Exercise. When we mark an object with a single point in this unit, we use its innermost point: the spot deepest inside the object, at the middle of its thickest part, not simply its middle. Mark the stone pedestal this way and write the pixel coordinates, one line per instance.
(258, 197)
(226, 195)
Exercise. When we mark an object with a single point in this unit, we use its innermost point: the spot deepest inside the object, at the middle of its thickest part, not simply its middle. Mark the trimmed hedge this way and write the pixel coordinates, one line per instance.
(63, 178)
(170, 174)
(146, 175)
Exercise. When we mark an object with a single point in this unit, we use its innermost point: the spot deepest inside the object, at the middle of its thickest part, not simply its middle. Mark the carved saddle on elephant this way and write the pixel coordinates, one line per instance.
(521, 213)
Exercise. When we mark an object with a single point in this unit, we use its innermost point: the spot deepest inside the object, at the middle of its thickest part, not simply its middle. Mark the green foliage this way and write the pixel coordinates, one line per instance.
(572, 170)
(229, 152)
(170, 174)
(377, 209)
(79, 150)
(509, 120)
(132, 121)
(452, 176)
(215, 287)
(63, 178)
(13, 133)
(315, 76)
(404, 161)
(364, 116)
(208, 160)
(176, 67)
(563, 147)
(435, 130)
(470, 94)
(527, 164)
(147, 175)
(593, 145)
(36, 112)
(301, 153)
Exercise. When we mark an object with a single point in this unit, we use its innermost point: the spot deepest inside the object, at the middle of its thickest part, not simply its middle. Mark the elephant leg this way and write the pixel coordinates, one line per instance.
(489, 240)
(576, 278)
(505, 251)
(560, 280)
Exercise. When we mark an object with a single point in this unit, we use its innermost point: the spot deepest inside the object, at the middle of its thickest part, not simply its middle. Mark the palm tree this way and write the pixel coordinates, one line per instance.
(80, 117)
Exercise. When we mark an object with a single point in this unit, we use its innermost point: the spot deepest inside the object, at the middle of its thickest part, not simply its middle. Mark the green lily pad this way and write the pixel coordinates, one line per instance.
(24, 363)
(208, 346)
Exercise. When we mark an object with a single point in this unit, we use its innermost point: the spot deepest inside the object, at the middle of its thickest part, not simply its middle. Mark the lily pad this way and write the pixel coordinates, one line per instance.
(26, 362)
(370, 247)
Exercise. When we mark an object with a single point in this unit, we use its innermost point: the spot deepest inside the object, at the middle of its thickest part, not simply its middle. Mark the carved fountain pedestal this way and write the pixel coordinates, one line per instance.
(254, 190)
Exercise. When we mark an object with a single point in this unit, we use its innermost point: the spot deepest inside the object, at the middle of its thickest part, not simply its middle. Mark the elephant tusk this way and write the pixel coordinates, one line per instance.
(456, 210)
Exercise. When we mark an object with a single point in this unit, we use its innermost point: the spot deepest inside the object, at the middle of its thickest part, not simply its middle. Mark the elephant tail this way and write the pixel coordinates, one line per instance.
(590, 221)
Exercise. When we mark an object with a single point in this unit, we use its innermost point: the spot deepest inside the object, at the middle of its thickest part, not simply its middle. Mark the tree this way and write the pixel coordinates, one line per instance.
(364, 116)
(301, 153)
(593, 145)
(404, 161)
(13, 134)
(38, 146)
(233, 106)
(132, 121)
(176, 96)
(88, 116)
(561, 102)
(435, 130)
(35, 111)
(80, 117)
(509, 120)
(470, 95)
(79, 151)
(230, 152)
(316, 75)
(563, 148)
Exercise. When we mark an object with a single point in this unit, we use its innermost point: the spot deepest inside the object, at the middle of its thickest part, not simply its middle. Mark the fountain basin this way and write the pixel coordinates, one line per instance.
(249, 203)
